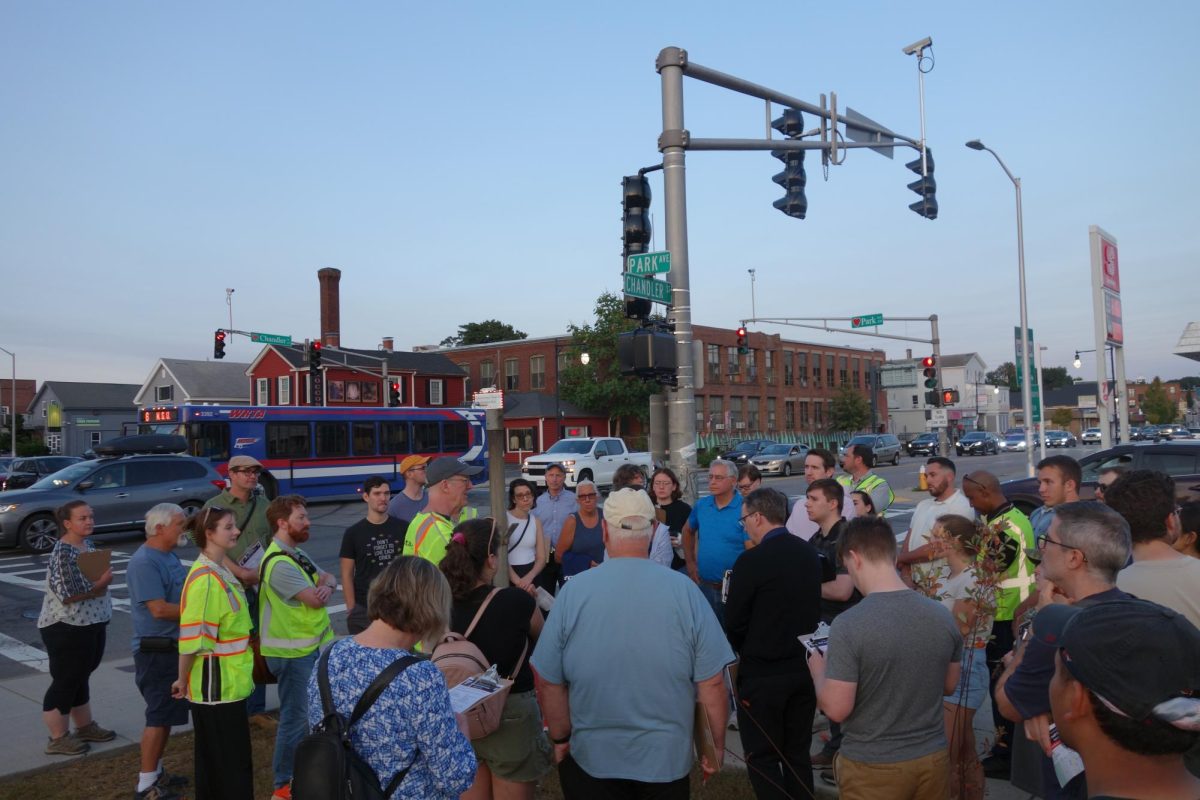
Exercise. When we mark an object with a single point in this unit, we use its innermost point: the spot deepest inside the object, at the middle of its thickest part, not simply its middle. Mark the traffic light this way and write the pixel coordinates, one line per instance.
(924, 186)
(949, 397)
(635, 233)
(314, 355)
(793, 177)
(394, 394)
(932, 398)
(636, 308)
(929, 363)
(219, 344)
(742, 346)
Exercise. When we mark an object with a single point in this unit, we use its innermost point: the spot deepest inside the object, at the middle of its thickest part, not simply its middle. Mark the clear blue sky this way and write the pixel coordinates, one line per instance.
(461, 161)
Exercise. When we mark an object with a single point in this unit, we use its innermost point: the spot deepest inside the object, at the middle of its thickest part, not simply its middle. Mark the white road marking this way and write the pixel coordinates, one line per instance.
(24, 654)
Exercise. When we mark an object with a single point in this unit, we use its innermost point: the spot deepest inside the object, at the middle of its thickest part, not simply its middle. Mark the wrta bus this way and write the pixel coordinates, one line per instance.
(318, 452)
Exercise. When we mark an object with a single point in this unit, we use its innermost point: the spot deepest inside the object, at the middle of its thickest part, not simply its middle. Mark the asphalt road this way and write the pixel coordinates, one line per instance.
(22, 576)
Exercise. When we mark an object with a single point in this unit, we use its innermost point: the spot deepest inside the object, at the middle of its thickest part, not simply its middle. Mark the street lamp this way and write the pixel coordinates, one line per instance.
(12, 404)
(1026, 398)
(584, 359)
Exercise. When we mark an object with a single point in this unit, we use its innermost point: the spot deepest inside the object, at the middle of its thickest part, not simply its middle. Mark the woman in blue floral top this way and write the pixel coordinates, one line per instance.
(411, 724)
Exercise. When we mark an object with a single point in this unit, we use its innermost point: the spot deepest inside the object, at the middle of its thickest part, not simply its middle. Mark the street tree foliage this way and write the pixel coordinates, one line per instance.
(1006, 375)
(1061, 417)
(1157, 406)
(598, 386)
(486, 332)
(850, 410)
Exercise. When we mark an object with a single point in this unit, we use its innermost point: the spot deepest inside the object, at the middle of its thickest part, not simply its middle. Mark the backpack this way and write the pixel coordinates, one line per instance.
(327, 768)
(459, 659)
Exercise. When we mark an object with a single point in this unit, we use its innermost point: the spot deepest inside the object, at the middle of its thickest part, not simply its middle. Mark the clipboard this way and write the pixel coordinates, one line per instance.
(93, 564)
(702, 735)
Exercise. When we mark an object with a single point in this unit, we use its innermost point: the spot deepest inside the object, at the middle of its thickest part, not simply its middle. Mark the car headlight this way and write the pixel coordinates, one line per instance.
(7, 508)
(568, 463)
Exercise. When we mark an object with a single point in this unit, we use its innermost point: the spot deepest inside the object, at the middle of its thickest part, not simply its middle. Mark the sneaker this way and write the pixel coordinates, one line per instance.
(94, 733)
(156, 792)
(65, 745)
(823, 759)
(283, 792)
(828, 777)
(168, 781)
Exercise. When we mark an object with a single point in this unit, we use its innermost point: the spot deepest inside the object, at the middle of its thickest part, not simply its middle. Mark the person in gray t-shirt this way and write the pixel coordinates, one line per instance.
(890, 660)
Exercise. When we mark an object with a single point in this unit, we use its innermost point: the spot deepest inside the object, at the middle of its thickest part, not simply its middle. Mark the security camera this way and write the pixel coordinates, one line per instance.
(916, 47)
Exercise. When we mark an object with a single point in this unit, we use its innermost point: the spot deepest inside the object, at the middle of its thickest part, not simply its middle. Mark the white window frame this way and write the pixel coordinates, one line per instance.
(262, 392)
(284, 389)
(164, 394)
(437, 393)
(95, 437)
(537, 372)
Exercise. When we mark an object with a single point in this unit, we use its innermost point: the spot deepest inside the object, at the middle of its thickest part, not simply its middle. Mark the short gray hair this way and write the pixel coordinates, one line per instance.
(1100, 533)
(162, 514)
(771, 503)
(730, 468)
(586, 482)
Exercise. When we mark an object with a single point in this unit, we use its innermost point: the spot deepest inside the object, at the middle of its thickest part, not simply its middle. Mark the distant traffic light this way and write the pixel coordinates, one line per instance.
(742, 346)
(219, 344)
(793, 178)
(949, 397)
(924, 186)
(314, 355)
(929, 363)
(394, 394)
(635, 233)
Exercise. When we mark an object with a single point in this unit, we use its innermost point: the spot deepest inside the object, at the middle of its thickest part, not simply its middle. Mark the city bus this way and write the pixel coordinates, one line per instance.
(319, 452)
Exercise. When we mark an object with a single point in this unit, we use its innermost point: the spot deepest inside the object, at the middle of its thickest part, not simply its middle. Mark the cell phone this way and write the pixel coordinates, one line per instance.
(725, 586)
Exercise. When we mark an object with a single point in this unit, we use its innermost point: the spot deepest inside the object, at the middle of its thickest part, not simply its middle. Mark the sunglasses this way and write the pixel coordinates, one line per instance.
(591, 496)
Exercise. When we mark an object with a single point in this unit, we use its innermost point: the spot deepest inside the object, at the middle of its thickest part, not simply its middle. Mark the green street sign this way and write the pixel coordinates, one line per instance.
(648, 263)
(866, 321)
(270, 338)
(648, 289)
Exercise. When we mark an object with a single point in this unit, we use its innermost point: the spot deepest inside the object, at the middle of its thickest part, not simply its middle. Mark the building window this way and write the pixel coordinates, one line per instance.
(521, 440)
(769, 365)
(164, 394)
(54, 443)
(916, 402)
(732, 359)
(284, 390)
(802, 370)
(735, 413)
(842, 380)
(789, 415)
(436, 391)
(771, 414)
(787, 367)
(803, 415)
(752, 420)
(716, 412)
(537, 372)
(714, 362)
(856, 371)
(816, 370)
(43, 409)
(487, 374)
(511, 374)
(829, 384)
(94, 438)
(817, 422)
(752, 366)
(262, 395)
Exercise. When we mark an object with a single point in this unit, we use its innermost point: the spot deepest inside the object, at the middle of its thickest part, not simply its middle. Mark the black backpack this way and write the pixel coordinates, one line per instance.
(326, 766)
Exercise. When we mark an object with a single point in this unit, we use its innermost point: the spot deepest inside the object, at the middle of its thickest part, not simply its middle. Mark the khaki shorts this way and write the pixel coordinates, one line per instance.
(927, 778)
(518, 750)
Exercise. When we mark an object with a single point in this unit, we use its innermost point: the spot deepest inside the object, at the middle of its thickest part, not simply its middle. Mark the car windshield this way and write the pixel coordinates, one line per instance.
(746, 447)
(776, 450)
(65, 477)
(1015, 437)
(974, 436)
(1056, 434)
(572, 446)
(1092, 430)
(869, 441)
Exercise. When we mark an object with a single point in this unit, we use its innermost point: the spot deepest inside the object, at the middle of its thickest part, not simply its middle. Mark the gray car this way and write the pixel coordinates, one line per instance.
(119, 490)
(885, 446)
(780, 459)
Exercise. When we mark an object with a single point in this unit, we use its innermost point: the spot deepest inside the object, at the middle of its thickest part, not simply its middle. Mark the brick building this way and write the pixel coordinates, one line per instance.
(26, 389)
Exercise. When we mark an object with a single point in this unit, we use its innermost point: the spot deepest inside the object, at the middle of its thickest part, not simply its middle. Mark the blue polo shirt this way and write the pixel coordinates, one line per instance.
(720, 536)
(153, 575)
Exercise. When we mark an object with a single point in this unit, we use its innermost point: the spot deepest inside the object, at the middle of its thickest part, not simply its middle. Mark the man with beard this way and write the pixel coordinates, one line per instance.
(293, 625)
(944, 498)
(818, 464)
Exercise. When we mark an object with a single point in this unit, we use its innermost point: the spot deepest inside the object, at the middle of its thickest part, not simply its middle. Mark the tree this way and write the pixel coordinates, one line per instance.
(1003, 375)
(598, 386)
(1006, 375)
(1056, 378)
(1062, 417)
(1158, 408)
(849, 411)
(486, 332)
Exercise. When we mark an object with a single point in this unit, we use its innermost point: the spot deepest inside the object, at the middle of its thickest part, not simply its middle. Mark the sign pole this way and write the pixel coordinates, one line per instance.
(496, 494)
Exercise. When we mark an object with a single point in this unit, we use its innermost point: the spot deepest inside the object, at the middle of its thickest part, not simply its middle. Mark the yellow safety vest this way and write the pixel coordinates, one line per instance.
(214, 624)
(869, 482)
(1017, 582)
(288, 630)
(428, 536)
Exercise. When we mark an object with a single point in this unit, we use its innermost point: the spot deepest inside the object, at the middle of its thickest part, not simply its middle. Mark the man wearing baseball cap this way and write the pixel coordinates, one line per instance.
(410, 501)
(430, 531)
(1126, 695)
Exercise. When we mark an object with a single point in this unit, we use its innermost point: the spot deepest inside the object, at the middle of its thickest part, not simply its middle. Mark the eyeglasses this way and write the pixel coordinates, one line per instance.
(1044, 538)
(247, 471)
(748, 516)
(523, 495)
(591, 496)
(745, 487)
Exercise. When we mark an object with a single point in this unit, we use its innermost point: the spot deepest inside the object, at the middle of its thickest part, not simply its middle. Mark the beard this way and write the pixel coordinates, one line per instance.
(298, 535)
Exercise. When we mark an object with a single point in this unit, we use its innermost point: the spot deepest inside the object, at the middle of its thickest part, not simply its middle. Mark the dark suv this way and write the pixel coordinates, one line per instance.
(744, 451)
(1180, 460)
(119, 489)
(27, 471)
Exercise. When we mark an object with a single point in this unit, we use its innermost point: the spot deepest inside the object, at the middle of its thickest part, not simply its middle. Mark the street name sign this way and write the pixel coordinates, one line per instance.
(648, 263)
(866, 321)
(270, 338)
(648, 289)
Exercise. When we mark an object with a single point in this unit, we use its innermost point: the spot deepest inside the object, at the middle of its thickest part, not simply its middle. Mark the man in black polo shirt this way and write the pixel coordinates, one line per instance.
(774, 597)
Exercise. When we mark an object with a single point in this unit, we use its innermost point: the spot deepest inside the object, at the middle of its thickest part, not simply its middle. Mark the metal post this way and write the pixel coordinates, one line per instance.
(753, 308)
(1041, 403)
(494, 420)
(1026, 389)
(1122, 387)
(936, 342)
(12, 405)
(681, 402)
(657, 444)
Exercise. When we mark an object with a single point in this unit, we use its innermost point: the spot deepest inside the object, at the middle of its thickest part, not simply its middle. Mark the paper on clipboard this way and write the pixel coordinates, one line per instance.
(252, 557)
(702, 736)
(471, 693)
(94, 564)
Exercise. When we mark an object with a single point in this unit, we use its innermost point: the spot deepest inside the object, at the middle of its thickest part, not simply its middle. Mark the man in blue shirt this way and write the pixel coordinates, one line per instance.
(621, 683)
(155, 577)
(713, 536)
(552, 509)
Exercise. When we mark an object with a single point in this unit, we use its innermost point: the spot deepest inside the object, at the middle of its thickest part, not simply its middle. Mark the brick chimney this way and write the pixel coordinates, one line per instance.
(389, 343)
(331, 324)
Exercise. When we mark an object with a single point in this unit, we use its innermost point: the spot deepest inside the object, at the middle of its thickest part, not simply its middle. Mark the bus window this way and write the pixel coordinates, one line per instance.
(393, 438)
(456, 436)
(426, 437)
(209, 440)
(331, 440)
(364, 438)
(288, 440)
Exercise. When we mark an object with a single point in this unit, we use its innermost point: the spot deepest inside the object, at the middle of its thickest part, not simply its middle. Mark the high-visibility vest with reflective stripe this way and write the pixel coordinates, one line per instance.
(869, 482)
(428, 536)
(468, 512)
(214, 624)
(1017, 582)
(287, 630)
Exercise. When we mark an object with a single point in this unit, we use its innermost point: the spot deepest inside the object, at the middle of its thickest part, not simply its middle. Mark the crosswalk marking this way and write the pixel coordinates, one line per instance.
(24, 654)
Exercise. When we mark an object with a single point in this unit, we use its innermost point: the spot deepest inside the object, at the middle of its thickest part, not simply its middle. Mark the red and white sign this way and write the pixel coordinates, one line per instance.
(1109, 273)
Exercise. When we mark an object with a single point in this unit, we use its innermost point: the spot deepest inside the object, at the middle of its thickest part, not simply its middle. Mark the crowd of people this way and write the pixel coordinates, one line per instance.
(667, 625)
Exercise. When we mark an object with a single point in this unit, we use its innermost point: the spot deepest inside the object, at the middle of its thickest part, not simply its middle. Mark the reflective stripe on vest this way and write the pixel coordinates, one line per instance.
(869, 482)
(287, 631)
(1018, 581)
(222, 669)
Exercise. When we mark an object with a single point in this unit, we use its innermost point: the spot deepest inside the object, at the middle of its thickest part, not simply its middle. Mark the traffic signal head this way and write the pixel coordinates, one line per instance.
(635, 226)
(394, 394)
(925, 186)
(793, 177)
(790, 123)
(949, 397)
(742, 346)
(637, 308)
(932, 398)
(314, 354)
(219, 344)
(929, 363)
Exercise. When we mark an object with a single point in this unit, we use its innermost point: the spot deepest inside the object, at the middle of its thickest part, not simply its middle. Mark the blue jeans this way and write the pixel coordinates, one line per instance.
(713, 596)
(293, 674)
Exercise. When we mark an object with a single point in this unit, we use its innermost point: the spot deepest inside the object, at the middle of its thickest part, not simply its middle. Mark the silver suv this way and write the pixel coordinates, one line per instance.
(119, 490)
(885, 446)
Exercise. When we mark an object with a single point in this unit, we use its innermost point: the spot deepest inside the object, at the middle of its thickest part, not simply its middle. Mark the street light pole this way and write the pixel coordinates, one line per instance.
(12, 405)
(1026, 394)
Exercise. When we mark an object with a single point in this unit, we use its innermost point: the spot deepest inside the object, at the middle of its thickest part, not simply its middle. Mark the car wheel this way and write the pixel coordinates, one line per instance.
(787, 470)
(39, 533)
(190, 507)
(896, 459)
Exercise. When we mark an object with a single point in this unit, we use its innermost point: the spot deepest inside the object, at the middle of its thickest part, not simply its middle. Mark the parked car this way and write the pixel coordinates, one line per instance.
(885, 446)
(591, 458)
(924, 445)
(1173, 430)
(1138, 433)
(780, 459)
(978, 443)
(1195, 432)
(1091, 436)
(1180, 460)
(744, 451)
(1013, 443)
(27, 471)
(120, 490)
(1061, 439)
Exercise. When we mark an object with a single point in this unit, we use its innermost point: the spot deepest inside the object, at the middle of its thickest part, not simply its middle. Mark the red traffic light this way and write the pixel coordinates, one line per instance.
(741, 331)
(928, 361)
(220, 336)
(395, 387)
(949, 397)
(316, 345)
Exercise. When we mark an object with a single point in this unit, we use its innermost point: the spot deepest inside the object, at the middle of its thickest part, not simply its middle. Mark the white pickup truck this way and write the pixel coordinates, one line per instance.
(594, 459)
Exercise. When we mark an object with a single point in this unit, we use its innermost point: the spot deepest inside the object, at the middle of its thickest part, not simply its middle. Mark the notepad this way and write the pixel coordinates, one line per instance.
(94, 564)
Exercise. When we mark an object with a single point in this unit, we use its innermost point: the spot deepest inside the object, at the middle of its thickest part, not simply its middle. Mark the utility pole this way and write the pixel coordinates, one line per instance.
(494, 422)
